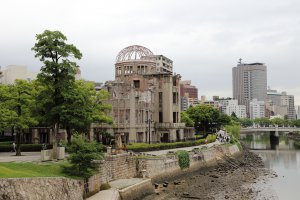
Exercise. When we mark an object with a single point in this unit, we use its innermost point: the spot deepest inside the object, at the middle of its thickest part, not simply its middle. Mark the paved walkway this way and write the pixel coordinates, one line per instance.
(113, 194)
(26, 157)
(164, 152)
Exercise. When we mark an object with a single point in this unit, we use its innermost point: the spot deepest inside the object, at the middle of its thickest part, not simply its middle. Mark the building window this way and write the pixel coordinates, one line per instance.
(174, 117)
(174, 81)
(160, 120)
(136, 83)
(160, 99)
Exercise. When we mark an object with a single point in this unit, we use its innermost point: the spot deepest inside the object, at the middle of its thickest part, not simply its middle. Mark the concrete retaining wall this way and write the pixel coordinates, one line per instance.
(137, 191)
(40, 188)
(168, 166)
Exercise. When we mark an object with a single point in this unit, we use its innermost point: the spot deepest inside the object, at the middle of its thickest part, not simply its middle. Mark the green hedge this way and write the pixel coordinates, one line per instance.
(297, 144)
(24, 147)
(140, 147)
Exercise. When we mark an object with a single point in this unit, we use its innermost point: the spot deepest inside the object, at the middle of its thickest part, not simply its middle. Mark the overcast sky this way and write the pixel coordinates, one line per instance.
(204, 38)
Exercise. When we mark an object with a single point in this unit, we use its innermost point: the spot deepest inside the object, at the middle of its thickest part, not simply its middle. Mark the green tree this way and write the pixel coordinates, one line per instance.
(82, 154)
(90, 107)
(234, 117)
(57, 74)
(224, 119)
(16, 107)
(277, 121)
(205, 117)
(186, 119)
(246, 122)
(262, 121)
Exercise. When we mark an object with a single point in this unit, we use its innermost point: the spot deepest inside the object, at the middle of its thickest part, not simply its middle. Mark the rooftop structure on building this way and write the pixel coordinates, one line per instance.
(145, 98)
(249, 81)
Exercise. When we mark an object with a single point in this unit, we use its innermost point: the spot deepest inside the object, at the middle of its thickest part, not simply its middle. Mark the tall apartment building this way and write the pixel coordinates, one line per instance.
(188, 94)
(288, 100)
(145, 99)
(13, 72)
(280, 104)
(257, 109)
(298, 112)
(249, 82)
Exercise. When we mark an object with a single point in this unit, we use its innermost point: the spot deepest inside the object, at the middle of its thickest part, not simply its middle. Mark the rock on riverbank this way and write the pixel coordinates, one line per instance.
(232, 178)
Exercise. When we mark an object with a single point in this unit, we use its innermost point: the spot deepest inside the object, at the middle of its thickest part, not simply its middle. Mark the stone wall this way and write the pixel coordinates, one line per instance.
(168, 165)
(118, 166)
(40, 188)
(156, 166)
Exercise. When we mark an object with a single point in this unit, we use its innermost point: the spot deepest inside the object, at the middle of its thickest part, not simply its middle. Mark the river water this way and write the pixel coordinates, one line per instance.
(279, 155)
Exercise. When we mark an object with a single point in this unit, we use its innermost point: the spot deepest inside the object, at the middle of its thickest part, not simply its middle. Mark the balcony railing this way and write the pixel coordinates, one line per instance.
(169, 125)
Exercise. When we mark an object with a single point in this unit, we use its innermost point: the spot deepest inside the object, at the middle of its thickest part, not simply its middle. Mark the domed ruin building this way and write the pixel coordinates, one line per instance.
(145, 99)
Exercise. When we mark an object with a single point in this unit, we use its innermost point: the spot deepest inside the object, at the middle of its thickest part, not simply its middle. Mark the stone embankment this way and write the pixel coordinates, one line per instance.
(40, 188)
(243, 177)
(117, 167)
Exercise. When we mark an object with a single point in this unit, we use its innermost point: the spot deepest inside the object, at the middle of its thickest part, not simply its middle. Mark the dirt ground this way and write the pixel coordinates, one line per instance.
(241, 178)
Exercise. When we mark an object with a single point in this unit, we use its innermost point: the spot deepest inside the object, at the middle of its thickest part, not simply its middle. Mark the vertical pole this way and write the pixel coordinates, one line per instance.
(149, 121)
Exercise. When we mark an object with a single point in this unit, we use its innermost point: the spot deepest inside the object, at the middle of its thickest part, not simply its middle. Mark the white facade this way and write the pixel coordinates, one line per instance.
(13, 72)
(288, 100)
(231, 105)
(257, 109)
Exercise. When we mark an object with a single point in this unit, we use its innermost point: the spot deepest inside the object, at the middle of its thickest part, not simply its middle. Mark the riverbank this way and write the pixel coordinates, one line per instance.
(243, 177)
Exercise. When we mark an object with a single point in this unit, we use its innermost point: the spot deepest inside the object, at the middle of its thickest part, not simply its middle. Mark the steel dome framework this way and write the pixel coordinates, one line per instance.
(134, 52)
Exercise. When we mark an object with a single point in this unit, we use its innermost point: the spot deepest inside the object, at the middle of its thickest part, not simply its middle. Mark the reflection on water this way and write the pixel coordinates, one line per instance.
(279, 155)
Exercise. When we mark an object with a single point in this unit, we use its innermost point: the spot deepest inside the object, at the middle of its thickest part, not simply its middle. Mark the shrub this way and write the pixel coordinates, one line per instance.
(183, 159)
(141, 147)
(297, 144)
(234, 130)
(82, 154)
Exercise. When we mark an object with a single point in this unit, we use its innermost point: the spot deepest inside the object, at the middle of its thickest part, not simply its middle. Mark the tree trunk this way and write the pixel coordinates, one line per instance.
(18, 141)
(55, 133)
(69, 134)
(12, 131)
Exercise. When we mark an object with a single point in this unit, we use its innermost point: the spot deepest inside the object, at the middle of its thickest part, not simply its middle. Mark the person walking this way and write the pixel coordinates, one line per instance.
(14, 146)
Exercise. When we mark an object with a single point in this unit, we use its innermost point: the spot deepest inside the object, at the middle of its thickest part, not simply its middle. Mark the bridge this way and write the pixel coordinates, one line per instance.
(270, 129)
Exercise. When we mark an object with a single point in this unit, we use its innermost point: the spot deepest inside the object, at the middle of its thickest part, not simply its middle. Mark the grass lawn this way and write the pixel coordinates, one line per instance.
(21, 170)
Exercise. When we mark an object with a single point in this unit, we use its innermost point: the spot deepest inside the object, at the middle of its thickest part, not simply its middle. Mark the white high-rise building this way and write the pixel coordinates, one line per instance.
(13, 72)
(257, 109)
(229, 106)
(249, 82)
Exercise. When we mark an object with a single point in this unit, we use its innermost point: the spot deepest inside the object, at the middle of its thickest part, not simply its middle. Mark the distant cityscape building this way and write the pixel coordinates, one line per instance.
(188, 94)
(145, 99)
(298, 112)
(288, 100)
(257, 109)
(229, 106)
(280, 104)
(211, 103)
(13, 72)
(249, 82)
